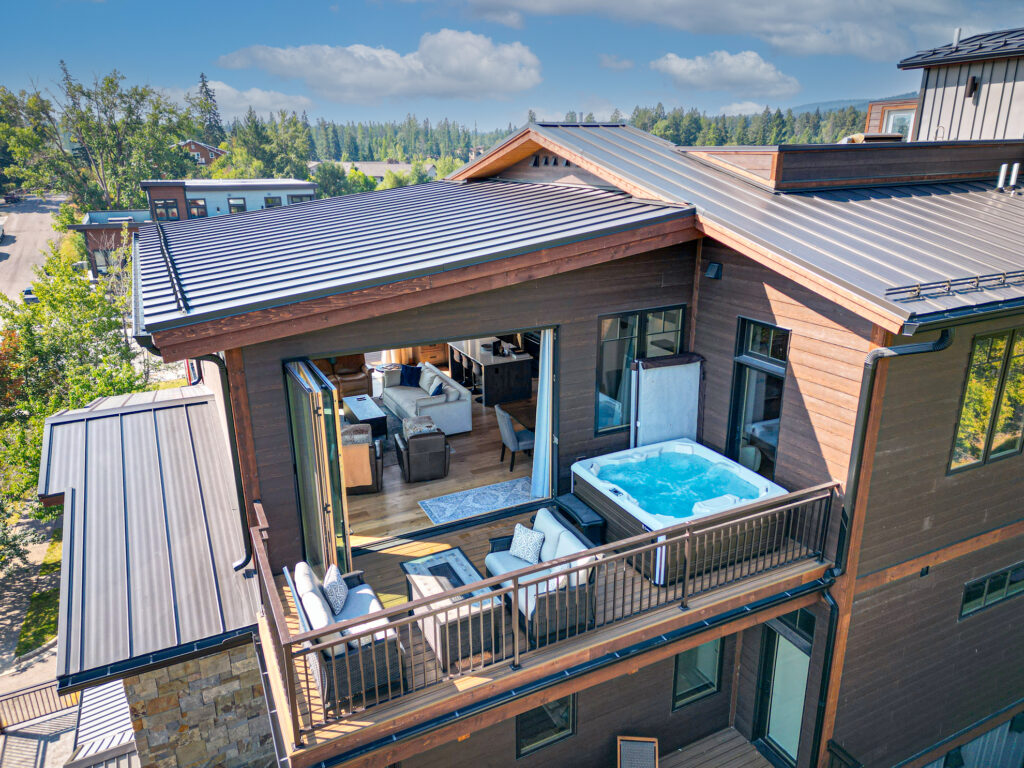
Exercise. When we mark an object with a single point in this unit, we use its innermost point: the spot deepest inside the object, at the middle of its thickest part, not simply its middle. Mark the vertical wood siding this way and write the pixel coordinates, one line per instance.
(572, 301)
(995, 111)
(914, 673)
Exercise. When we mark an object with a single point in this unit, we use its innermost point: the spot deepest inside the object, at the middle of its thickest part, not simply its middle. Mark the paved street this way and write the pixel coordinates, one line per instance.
(27, 227)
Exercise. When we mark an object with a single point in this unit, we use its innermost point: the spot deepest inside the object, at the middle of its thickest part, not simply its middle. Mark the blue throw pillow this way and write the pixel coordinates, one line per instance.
(411, 376)
(437, 390)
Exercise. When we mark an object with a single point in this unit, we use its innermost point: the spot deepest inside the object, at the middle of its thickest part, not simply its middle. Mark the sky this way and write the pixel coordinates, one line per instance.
(487, 62)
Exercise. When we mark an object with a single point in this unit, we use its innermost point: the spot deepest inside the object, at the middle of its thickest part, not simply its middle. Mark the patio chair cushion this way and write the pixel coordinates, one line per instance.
(335, 589)
(570, 545)
(527, 544)
(528, 593)
(318, 613)
(362, 601)
(498, 563)
(304, 579)
(546, 523)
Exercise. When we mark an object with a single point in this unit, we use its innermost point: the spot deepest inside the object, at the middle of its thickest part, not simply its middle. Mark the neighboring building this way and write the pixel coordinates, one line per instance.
(972, 88)
(103, 233)
(203, 154)
(891, 116)
(175, 199)
(377, 169)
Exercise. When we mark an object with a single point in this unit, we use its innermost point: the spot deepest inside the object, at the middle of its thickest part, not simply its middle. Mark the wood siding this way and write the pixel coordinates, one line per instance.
(914, 673)
(572, 301)
(633, 705)
(914, 506)
(875, 121)
(827, 348)
(995, 111)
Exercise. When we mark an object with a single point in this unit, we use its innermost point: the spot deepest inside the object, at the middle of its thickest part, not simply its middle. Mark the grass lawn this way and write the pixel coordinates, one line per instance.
(40, 621)
(51, 560)
(171, 384)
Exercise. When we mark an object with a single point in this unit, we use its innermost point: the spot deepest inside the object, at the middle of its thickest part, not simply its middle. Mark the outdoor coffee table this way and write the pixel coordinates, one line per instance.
(469, 626)
(360, 409)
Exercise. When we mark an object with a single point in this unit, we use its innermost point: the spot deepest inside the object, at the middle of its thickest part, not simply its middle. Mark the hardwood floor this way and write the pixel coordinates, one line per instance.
(724, 749)
(475, 462)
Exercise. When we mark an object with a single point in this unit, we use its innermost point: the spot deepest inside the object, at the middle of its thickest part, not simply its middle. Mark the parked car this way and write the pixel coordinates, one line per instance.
(29, 296)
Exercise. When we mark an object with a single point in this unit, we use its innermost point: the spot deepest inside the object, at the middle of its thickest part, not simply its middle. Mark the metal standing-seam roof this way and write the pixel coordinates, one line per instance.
(1005, 43)
(105, 736)
(151, 529)
(189, 271)
(868, 240)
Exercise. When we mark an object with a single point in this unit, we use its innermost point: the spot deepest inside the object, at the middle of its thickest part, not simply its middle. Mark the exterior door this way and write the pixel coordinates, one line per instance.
(314, 411)
(783, 684)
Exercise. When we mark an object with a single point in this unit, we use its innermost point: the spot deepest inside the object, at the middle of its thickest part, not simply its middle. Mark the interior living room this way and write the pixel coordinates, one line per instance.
(439, 432)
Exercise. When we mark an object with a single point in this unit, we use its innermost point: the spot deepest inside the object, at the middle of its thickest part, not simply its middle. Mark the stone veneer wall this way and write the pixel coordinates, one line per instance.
(206, 712)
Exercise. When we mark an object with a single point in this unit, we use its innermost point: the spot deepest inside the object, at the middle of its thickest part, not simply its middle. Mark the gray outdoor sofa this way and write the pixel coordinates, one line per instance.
(353, 674)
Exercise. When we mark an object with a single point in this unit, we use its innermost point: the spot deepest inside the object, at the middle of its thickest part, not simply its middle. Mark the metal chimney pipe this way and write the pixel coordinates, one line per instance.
(956, 38)
(1013, 174)
(1002, 175)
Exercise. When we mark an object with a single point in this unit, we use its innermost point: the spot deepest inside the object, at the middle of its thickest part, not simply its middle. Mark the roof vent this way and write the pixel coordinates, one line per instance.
(956, 38)
(1013, 175)
(1002, 176)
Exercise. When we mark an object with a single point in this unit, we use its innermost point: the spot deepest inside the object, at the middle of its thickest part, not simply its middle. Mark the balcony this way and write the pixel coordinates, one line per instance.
(418, 659)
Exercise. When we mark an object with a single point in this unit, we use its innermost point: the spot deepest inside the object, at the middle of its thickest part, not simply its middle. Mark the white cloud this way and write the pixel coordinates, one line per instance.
(447, 64)
(744, 73)
(232, 102)
(877, 29)
(742, 108)
(613, 62)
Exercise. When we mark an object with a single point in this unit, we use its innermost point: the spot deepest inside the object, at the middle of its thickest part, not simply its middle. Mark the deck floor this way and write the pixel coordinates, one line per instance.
(723, 749)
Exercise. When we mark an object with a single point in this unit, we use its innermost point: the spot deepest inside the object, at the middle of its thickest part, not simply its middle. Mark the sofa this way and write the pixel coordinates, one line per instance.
(354, 674)
(552, 604)
(348, 373)
(451, 410)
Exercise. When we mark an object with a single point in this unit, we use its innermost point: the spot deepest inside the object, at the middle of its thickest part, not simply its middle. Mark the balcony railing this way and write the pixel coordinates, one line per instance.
(35, 701)
(344, 668)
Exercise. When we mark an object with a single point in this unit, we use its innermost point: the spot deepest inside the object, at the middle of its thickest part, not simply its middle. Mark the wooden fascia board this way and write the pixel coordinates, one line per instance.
(820, 285)
(519, 149)
(535, 669)
(303, 317)
(718, 159)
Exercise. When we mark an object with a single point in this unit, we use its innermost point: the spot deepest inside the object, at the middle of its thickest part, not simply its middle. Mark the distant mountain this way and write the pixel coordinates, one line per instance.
(860, 104)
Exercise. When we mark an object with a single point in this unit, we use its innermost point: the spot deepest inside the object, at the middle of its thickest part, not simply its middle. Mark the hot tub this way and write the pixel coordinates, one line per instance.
(664, 484)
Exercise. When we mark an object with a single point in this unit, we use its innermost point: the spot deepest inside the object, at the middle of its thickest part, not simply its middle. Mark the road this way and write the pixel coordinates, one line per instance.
(27, 229)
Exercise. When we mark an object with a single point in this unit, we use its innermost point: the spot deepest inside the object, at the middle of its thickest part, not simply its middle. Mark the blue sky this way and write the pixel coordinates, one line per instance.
(489, 61)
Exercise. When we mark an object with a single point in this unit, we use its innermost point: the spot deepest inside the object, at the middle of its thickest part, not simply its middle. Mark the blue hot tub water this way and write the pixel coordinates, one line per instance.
(670, 483)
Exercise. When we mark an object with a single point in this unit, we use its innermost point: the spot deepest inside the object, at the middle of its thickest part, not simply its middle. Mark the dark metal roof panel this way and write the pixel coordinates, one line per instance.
(230, 264)
(151, 529)
(1002, 44)
(868, 240)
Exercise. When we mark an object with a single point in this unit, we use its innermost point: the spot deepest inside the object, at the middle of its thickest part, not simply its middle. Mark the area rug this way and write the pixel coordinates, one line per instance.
(476, 501)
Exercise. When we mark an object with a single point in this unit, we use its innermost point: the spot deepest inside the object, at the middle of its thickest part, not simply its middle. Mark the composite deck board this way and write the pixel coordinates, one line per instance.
(724, 749)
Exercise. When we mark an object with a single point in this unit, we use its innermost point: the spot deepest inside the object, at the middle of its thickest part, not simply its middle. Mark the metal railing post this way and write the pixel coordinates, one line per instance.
(515, 623)
(686, 569)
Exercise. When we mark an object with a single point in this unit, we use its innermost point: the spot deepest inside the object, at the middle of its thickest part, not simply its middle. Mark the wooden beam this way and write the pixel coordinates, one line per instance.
(820, 285)
(404, 749)
(339, 309)
(845, 587)
(938, 557)
(244, 441)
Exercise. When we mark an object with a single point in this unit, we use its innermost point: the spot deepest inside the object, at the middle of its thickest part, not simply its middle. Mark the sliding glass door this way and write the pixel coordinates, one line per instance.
(314, 412)
(785, 661)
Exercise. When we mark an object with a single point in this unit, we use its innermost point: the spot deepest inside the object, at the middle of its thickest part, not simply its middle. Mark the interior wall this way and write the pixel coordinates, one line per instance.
(571, 302)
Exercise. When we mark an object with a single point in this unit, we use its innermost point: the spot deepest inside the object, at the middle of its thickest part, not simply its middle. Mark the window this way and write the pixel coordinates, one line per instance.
(102, 258)
(271, 202)
(197, 208)
(993, 588)
(800, 621)
(762, 352)
(898, 121)
(992, 411)
(545, 725)
(165, 210)
(299, 198)
(236, 204)
(698, 673)
(655, 332)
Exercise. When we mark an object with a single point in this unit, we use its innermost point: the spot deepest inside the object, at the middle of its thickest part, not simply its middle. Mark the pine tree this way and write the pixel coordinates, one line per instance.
(209, 115)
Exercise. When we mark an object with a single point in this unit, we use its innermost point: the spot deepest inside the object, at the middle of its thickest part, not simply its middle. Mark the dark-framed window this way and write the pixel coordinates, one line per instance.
(166, 210)
(548, 723)
(992, 589)
(622, 338)
(759, 377)
(236, 204)
(272, 202)
(800, 621)
(197, 208)
(991, 419)
(299, 199)
(698, 673)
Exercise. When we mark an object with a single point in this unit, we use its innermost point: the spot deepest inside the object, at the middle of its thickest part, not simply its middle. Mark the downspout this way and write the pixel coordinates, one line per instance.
(233, 443)
(843, 545)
